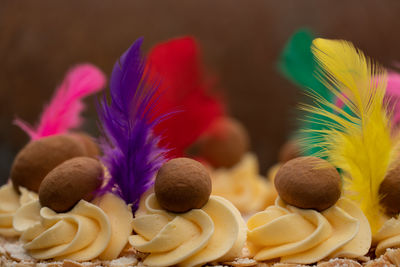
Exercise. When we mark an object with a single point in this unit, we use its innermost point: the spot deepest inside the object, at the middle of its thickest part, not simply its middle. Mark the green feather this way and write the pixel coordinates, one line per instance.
(297, 64)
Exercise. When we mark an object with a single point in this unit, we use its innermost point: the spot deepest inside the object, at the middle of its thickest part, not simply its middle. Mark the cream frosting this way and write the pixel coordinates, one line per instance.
(84, 233)
(273, 170)
(388, 236)
(10, 202)
(244, 186)
(215, 232)
(120, 217)
(305, 236)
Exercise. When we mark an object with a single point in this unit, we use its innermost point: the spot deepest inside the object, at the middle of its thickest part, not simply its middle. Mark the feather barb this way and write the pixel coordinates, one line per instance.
(63, 111)
(360, 143)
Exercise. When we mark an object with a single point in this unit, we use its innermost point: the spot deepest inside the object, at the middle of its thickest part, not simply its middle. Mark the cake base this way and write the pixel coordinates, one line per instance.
(13, 254)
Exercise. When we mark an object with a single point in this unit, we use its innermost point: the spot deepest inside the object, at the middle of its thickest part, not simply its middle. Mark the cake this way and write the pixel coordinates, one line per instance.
(214, 138)
(136, 205)
(75, 210)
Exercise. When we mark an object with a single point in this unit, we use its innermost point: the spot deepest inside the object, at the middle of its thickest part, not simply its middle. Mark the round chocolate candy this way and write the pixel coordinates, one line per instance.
(39, 157)
(224, 143)
(288, 151)
(390, 191)
(182, 184)
(91, 148)
(308, 183)
(69, 182)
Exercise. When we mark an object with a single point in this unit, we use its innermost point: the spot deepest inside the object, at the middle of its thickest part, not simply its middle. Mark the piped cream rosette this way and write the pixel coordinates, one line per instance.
(305, 236)
(388, 236)
(10, 202)
(244, 186)
(86, 232)
(216, 232)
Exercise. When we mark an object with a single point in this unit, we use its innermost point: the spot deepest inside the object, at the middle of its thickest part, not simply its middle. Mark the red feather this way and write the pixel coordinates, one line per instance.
(184, 88)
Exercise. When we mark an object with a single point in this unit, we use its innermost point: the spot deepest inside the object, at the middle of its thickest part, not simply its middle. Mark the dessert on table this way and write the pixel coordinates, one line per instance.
(351, 124)
(201, 129)
(181, 224)
(85, 212)
(52, 142)
(235, 170)
(310, 221)
(139, 203)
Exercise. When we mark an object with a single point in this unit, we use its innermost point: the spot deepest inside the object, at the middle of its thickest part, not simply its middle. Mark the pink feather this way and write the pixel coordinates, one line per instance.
(393, 95)
(63, 112)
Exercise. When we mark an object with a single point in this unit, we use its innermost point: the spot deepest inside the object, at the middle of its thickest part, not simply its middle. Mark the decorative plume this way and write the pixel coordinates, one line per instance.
(393, 96)
(360, 143)
(63, 112)
(297, 64)
(131, 151)
(185, 90)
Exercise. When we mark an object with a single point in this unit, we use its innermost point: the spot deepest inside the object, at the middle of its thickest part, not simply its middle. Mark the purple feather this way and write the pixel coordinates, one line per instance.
(131, 151)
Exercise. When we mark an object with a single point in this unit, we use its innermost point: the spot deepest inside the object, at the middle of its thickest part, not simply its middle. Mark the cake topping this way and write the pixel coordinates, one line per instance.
(244, 186)
(39, 157)
(390, 191)
(120, 217)
(303, 236)
(388, 236)
(86, 232)
(308, 183)
(91, 148)
(81, 234)
(132, 153)
(185, 87)
(182, 184)
(69, 182)
(63, 112)
(10, 202)
(224, 143)
(352, 117)
(216, 232)
(288, 151)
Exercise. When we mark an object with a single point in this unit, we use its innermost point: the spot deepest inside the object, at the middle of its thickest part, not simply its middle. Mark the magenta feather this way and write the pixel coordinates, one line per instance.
(393, 95)
(63, 111)
(131, 151)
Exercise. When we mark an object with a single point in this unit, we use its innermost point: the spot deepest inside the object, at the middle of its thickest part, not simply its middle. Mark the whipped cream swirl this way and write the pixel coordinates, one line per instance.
(388, 236)
(215, 232)
(244, 186)
(10, 202)
(84, 233)
(305, 236)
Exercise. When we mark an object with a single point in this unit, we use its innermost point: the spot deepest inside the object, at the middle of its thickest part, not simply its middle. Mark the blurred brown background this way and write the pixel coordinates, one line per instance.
(241, 40)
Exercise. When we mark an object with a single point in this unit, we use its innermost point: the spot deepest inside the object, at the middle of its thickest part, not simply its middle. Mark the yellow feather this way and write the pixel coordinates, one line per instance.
(361, 144)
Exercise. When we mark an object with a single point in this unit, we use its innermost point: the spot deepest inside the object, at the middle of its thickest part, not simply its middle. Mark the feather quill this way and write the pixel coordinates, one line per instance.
(360, 144)
(63, 111)
(131, 151)
(185, 90)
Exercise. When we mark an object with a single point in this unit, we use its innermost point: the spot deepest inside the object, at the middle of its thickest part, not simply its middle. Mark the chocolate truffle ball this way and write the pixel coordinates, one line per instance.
(91, 148)
(39, 157)
(224, 143)
(69, 182)
(288, 151)
(308, 183)
(390, 191)
(182, 184)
